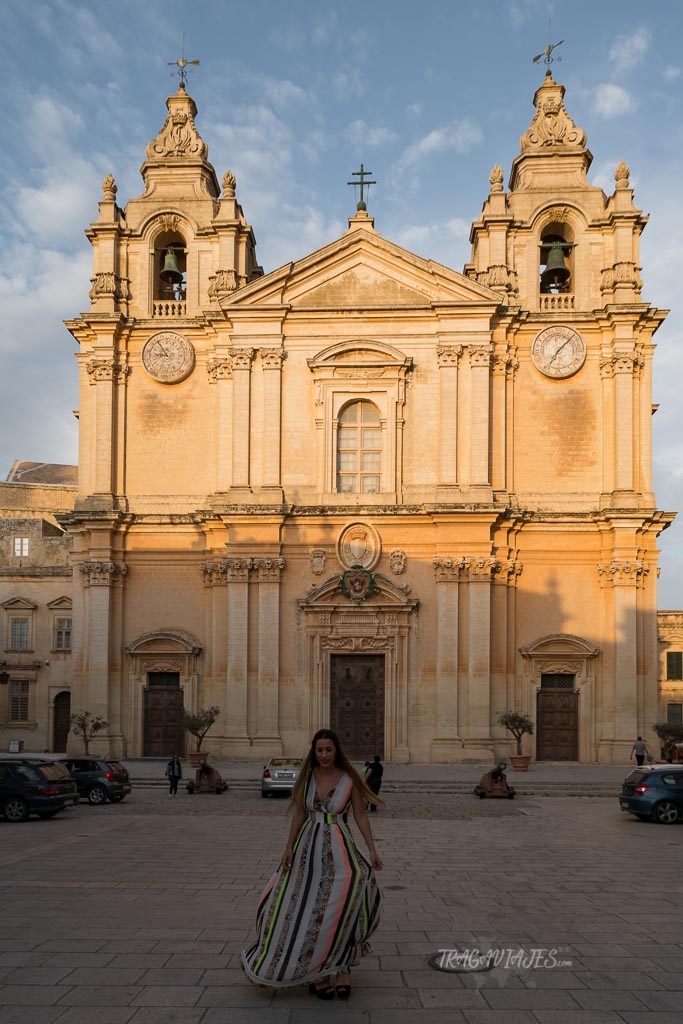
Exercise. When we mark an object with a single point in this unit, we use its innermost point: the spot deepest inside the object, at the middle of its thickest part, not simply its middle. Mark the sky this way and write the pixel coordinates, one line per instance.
(292, 97)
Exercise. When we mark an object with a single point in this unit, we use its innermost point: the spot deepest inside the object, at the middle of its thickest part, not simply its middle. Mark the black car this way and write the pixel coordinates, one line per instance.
(30, 786)
(654, 794)
(99, 779)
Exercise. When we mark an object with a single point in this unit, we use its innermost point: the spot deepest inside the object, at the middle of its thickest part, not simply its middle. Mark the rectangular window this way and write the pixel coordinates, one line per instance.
(17, 698)
(20, 547)
(18, 637)
(62, 634)
(674, 664)
(674, 714)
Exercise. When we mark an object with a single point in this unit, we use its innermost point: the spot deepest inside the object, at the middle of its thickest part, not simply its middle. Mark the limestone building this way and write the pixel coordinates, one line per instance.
(364, 489)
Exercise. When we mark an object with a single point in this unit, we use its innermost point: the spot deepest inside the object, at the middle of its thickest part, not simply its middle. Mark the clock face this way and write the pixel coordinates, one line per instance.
(168, 357)
(558, 352)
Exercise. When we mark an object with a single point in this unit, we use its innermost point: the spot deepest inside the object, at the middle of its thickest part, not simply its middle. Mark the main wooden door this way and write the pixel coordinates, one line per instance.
(61, 721)
(557, 720)
(163, 725)
(357, 703)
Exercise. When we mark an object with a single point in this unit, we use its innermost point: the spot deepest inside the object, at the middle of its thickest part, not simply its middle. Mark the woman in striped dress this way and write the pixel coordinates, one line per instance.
(322, 904)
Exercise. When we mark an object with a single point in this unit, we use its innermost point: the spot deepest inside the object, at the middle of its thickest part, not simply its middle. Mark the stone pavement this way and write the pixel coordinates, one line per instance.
(135, 913)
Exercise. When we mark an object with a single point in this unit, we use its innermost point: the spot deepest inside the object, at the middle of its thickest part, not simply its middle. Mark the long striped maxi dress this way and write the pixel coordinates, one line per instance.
(315, 919)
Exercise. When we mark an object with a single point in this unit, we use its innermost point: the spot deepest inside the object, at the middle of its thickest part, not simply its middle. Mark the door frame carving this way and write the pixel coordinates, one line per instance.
(160, 651)
(328, 623)
(564, 654)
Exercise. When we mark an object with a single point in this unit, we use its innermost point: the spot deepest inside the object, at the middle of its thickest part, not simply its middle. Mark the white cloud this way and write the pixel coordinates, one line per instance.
(435, 241)
(348, 82)
(282, 94)
(460, 136)
(627, 51)
(670, 73)
(361, 134)
(414, 109)
(612, 100)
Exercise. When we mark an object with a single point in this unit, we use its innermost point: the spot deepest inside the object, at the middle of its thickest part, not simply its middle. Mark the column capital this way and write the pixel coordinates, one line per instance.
(219, 369)
(242, 358)
(480, 355)
(107, 370)
(272, 358)
(102, 574)
(448, 355)
(623, 572)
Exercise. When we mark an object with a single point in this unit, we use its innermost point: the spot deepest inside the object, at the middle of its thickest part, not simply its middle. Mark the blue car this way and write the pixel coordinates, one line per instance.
(654, 794)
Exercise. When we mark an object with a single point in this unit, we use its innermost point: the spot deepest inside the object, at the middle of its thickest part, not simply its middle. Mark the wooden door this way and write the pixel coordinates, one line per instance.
(357, 703)
(61, 721)
(557, 723)
(163, 727)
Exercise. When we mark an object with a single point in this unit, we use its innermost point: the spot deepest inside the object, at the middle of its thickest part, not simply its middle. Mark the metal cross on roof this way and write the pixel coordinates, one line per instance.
(363, 184)
(182, 65)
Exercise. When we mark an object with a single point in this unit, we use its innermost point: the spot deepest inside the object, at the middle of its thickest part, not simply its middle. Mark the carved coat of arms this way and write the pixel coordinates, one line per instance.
(357, 583)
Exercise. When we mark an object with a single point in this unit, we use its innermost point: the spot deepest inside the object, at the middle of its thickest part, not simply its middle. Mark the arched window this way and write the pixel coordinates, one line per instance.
(359, 449)
(556, 261)
(170, 263)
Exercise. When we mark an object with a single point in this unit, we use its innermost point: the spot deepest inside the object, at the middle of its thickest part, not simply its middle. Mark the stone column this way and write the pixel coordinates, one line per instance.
(446, 742)
(622, 577)
(267, 739)
(448, 356)
(241, 417)
(480, 368)
(220, 374)
(98, 579)
(236, 729)
(104, 376)
(271, 430)
(480, 570)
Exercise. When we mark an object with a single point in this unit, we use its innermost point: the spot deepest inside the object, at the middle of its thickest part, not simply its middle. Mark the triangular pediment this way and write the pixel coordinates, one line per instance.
(61, 604)
(362, 270)
(19, 604)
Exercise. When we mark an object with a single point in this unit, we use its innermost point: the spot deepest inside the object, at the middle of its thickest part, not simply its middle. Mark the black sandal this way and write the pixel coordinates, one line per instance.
(324, 992)
(343, 991)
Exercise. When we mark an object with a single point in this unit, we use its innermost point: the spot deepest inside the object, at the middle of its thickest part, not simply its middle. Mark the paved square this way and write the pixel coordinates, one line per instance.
(137, 912)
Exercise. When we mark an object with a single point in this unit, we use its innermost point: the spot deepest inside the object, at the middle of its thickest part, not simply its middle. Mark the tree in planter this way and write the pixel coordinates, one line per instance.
(200, 723)
(87, 726)
(668, 733)
(519, 725)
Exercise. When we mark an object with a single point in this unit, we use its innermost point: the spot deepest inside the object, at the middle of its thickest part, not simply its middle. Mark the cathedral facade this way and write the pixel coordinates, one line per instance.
(364, 490)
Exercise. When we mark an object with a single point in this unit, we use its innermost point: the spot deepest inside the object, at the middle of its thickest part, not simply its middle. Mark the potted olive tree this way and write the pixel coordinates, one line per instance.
(198, 725)
(519, 725)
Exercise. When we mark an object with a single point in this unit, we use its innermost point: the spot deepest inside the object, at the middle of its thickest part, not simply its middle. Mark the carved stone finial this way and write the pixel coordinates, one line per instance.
(552, 127)
(622, 174)
(496, 178)
(229, 181)
(109, 187)
(179, 136)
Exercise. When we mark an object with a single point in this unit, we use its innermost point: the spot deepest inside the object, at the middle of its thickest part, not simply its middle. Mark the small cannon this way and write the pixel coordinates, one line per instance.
(206, 780)
(495, 783)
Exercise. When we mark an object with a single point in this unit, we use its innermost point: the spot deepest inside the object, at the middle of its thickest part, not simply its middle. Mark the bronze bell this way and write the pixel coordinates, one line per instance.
(556, 273)
(170, 274)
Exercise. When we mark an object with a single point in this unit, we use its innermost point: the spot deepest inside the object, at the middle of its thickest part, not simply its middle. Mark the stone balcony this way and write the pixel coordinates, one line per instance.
(556, 303)
(169, 309)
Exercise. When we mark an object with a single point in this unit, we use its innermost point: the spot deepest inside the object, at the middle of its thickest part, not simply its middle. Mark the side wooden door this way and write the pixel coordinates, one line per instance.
(357, 703)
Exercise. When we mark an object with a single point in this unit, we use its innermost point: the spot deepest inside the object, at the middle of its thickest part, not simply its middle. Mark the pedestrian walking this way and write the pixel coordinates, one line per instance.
(640, 750)
(174, 773)
(323, 902)
(374, 778)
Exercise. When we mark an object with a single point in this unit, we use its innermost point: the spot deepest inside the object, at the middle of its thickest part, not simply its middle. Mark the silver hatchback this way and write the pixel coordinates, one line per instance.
(280, 774)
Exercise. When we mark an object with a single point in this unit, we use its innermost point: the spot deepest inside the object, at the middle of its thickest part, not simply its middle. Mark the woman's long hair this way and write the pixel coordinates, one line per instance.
(340, 761)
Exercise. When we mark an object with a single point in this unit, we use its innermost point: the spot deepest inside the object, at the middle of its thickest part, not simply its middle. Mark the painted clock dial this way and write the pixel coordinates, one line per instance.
(168, 357)
(558, 351)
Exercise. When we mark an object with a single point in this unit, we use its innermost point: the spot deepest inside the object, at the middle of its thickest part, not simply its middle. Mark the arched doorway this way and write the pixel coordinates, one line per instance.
(61, 721)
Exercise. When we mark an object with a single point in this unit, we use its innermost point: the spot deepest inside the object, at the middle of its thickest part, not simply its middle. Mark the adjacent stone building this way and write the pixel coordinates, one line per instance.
(365, 490)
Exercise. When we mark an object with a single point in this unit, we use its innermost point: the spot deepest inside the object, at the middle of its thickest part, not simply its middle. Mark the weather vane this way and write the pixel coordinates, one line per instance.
(363, 184)
(183, 66)
(548, 58)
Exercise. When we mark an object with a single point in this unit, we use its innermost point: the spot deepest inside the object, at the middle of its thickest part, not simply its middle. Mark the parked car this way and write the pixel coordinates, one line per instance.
(280, 774)
(33, 786)
(99, 780)
(654, 794)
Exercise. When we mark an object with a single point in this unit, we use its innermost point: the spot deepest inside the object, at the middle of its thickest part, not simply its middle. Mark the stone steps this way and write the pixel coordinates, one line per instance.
(524, 787)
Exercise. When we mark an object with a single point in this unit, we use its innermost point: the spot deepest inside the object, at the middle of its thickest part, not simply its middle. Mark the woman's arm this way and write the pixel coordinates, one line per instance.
(298, 818)
(358, 804)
